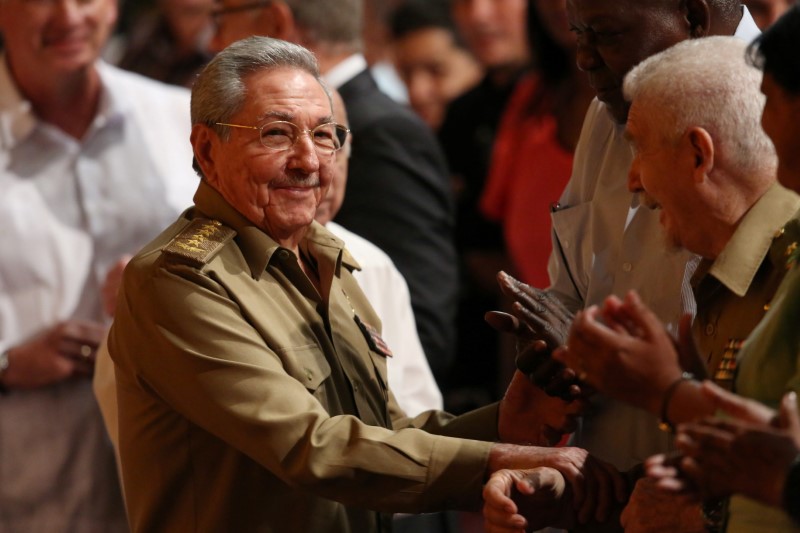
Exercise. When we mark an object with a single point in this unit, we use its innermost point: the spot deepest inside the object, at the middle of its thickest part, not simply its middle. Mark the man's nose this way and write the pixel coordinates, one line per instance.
(303, 155)
(587, 58)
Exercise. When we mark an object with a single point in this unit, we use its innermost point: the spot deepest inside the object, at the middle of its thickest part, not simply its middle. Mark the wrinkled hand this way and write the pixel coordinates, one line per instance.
(112, 284)
(546, 316)
(632, 359)
(65, 351)
(528, 415)
(540, 325)
(652, 510)
(738, 407)
(526, 500)
(725, 457)
(595, 484)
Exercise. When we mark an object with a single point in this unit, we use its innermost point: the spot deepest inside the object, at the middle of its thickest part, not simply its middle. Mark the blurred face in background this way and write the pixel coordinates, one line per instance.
(553, 14)
(494, 30)
(765, 12)
(189, 22)
(55, 36)
(233, 20)
(435, 70)
(780, 123)
(332, 201)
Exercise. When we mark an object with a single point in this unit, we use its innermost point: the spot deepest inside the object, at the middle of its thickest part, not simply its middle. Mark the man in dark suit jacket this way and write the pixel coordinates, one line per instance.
(398, 194)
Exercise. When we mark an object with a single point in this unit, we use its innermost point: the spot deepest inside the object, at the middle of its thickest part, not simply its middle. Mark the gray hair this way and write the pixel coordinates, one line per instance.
(707, 82)
(219, 91)
(338, 22)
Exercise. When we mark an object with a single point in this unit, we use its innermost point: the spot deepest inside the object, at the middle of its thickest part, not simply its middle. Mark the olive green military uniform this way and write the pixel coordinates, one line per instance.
(733, 292)
(248, 401)
(769, 366)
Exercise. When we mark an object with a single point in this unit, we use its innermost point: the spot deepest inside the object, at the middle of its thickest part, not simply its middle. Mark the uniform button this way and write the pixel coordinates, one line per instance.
(779, 233)
(627, 267)
(283, 254)
(355, 386)
(309, 375)
(709, 329)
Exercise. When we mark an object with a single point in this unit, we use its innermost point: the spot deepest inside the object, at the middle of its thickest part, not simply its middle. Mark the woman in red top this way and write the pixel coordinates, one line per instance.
(532, 159)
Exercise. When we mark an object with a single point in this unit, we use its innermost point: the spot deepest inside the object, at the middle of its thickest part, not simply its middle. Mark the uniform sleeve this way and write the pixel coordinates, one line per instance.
(185, 346)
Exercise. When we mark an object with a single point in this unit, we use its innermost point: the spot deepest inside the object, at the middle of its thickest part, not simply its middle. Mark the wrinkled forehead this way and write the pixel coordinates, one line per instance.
(287, 93)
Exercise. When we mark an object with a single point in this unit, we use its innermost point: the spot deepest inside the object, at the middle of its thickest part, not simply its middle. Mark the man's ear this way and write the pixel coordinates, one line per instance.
(203, 139)
(277, 20)
(702, 146)
(698, 15)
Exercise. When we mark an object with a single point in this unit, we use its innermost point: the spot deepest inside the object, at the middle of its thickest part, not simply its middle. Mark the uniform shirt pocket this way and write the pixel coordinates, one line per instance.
(307, 364)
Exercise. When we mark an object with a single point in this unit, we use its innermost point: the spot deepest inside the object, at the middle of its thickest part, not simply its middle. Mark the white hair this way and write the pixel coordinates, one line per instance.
(707, 83)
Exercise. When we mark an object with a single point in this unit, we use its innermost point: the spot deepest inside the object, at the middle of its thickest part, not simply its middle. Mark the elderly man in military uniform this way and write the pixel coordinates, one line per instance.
(251, 375)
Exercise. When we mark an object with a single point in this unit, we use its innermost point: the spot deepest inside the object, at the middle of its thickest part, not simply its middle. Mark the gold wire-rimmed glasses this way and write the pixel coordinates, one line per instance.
(281, 135)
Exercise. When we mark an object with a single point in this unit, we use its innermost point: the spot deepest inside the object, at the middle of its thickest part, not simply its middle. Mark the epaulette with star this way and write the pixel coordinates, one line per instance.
(198, 242)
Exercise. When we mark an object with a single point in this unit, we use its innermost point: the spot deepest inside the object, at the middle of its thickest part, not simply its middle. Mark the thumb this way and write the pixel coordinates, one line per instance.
(788, 417)
(640, 315)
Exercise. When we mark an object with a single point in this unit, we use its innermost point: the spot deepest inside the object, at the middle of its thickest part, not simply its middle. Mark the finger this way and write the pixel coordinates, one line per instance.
(788, 417)
(705, 438)
(504, 322)
(541, 327)
(736, 406)
(641, 316)
(75, 350)
(496, 494)
(83, 332)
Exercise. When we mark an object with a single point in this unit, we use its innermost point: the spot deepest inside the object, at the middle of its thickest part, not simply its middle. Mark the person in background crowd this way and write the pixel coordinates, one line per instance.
(532, 158)
(495, 32)
(93, 166)
(378, 48)
(431, 57)
(170, 42)
(765, 12)
(410, 376)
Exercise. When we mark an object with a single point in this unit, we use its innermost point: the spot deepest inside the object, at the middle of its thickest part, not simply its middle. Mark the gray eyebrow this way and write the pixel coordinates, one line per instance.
(288, 117)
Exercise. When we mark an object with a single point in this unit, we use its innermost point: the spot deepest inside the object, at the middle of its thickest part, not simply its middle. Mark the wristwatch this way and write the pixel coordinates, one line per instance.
(3, 368)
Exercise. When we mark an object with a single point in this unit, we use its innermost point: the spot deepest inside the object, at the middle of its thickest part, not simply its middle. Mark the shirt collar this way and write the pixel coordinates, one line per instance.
(345, 71)
(741, 258)
(258, 247)
(18, 120)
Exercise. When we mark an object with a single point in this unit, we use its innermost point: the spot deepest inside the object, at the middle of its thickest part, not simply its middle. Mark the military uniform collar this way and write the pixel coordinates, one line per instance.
(257, 247)
(741, 258)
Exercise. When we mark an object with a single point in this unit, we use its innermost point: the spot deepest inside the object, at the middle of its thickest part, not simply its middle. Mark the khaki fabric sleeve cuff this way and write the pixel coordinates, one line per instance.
(456, 474)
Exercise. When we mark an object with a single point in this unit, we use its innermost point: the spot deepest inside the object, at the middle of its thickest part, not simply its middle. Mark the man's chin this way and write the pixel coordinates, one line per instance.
(616, 107)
